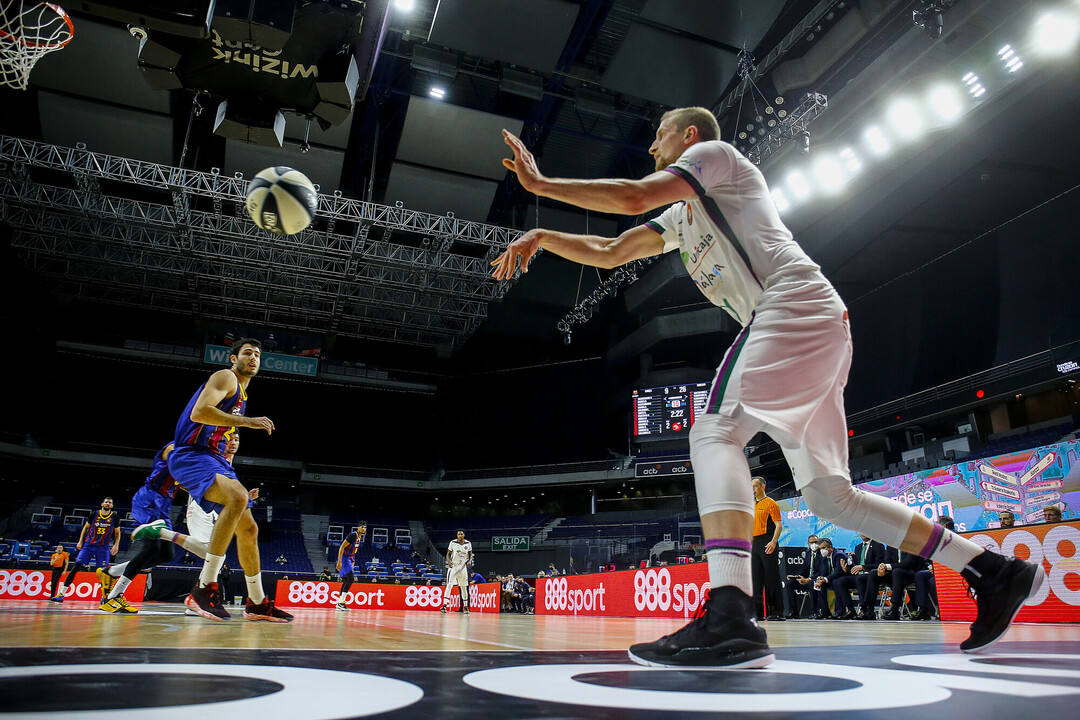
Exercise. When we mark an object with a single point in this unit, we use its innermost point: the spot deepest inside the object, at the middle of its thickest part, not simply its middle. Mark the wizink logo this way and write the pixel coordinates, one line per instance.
(258, 59)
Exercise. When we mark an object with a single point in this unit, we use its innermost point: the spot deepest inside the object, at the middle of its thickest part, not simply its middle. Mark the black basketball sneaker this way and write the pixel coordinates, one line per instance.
(206, 601)
(724, 634)
(1000, 586)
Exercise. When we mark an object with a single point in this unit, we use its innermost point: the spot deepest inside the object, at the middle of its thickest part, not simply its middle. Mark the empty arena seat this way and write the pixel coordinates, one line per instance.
(42, 521)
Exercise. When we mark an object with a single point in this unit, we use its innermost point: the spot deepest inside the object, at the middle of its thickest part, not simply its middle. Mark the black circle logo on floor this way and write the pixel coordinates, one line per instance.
(706, 681)
(116, 691)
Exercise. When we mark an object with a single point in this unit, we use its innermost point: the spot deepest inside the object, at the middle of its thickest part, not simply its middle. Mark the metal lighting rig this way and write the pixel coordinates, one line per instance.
(136, 233)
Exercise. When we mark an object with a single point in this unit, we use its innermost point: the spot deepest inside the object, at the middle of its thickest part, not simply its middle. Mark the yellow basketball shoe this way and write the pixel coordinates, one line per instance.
(107, 581)
(118, 605)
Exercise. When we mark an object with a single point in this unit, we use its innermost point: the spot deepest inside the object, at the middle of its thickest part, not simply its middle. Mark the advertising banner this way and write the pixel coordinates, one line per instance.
(1056, 546)
(373, 596)
(36, 585)
(274, 362)
(971, 492)
(672, 591)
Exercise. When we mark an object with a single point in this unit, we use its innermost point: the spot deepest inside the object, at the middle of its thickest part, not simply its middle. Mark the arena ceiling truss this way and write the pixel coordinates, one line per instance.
(142, 234)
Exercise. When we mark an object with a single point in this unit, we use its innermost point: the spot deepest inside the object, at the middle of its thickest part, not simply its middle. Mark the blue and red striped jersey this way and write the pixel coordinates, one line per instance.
(159, 480)
(214, 438)
(354, 542)
(101, 528)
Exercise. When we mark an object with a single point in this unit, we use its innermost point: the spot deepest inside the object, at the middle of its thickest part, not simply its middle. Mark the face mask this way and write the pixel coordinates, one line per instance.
(824, 552)
(813, 546)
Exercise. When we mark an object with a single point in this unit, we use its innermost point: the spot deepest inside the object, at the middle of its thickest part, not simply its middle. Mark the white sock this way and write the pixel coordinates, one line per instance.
(119, 587)
(950, 549)
(116, 570)
(255, 588)
(729, 564)
(59, 590)
(166, 534)
(196, 546)
(210, 569)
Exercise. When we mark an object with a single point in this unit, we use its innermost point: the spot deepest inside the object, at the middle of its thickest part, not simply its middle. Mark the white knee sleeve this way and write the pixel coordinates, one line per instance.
(721, 473)
(833, 499)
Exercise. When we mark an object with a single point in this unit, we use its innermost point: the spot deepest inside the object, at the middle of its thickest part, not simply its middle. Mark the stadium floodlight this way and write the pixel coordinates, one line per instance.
(829, 174)
(404, 5)
(904, 117)
(946, 102)
(852, 163)
(877, 140)
(1055, 33)
(437, 92)
(799, 185)
(780, 200)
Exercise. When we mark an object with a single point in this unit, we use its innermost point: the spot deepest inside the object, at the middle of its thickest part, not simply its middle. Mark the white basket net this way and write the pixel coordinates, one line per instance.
(28, 32)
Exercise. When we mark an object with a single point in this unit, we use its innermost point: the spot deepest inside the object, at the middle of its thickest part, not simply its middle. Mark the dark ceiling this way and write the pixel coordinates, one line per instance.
(609, 69)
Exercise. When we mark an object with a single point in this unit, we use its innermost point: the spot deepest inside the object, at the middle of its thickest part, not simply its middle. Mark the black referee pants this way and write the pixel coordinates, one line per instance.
(765, 571)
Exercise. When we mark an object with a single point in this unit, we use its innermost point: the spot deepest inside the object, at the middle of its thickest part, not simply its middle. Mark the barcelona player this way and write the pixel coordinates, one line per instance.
(346, 556)
(151, 503)
(99, 539)
(151, 507)
(198, 465)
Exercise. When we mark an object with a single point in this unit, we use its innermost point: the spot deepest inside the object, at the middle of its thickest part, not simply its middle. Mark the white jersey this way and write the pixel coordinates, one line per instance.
(459, 553)
(731, 238)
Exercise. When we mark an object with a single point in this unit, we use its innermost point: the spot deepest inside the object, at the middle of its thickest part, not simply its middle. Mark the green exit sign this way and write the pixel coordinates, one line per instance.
(510, 542)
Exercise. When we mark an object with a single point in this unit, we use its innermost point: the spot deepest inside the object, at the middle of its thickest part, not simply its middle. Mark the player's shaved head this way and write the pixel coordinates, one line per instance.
(700, 117)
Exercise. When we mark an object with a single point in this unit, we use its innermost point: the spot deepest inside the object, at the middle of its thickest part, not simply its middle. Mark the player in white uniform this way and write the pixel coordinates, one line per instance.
(459, 557)
(784, 375)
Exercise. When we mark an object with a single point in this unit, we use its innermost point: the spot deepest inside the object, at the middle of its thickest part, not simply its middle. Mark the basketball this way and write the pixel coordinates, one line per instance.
(281, 200)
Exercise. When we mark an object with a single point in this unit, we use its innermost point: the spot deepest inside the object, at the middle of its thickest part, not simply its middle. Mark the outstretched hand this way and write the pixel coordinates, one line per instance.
(523, 163)
(524, 247)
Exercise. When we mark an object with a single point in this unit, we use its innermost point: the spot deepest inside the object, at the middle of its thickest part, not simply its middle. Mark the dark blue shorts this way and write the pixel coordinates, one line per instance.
(99, 553)
(346, 568)
(148, 506)
(194, 469)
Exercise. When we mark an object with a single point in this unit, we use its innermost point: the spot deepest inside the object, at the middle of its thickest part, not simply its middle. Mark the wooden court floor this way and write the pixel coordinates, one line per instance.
(399, 664)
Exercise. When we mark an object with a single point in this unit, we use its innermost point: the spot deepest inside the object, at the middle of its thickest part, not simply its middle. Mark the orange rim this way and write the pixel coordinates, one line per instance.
(50, 46)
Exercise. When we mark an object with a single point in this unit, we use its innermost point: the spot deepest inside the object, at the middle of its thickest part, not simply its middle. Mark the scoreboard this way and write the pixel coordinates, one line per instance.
(665, 413)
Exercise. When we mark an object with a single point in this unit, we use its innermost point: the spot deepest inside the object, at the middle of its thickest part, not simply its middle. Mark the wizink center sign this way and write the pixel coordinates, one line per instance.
(274, 362)
(510, 542)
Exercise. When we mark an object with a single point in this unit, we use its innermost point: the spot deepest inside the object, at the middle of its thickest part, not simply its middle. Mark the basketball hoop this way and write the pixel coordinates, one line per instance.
(28, 33)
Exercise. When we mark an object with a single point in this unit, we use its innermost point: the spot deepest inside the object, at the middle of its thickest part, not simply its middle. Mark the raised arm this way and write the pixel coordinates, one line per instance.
(638, 242)
(221, 385)
(610, 195)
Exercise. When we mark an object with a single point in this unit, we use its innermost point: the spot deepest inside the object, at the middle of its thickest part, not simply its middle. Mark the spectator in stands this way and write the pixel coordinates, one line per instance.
(324, 576)
(900, 576)
(878, 572)
(59, 563)
(1052, 514)
(541, 574)
(284, 577)
(1007, 519)
(530, 599)
(811, 560)
(282, 560)
(521, 593)
(476, 578)
(834, 566)
(513, 593)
